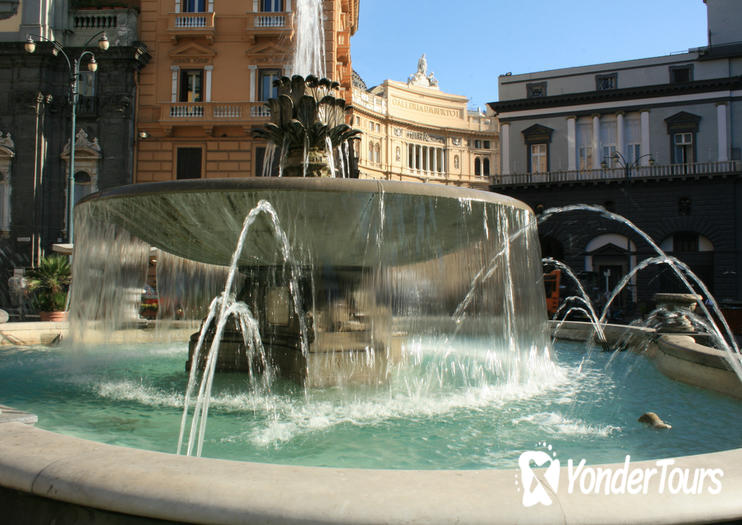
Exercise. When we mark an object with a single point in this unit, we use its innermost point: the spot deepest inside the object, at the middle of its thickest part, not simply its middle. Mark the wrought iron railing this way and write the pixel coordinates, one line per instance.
(620, 174)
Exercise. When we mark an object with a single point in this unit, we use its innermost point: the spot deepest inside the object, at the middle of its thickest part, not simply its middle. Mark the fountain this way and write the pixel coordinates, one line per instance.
(394, 334)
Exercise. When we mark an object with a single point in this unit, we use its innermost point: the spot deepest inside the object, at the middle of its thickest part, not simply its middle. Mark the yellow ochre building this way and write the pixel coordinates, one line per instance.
(412, 131)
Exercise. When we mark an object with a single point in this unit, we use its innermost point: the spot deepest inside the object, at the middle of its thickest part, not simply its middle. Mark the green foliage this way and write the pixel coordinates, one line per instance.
(49, 283)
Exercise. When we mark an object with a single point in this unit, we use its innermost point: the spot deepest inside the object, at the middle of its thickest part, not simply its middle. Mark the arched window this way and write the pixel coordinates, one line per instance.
(486, 167)
(377, 153)
(477, 166)
(83, 185)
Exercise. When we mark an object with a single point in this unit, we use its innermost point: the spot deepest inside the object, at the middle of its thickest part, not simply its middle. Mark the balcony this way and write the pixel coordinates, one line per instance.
(210, 114)
(266, 23)
(182, 25)
(608, 175)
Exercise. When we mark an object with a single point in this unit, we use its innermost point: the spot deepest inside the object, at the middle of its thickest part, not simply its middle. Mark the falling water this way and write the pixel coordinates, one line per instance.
(309, 55)
(730, 344)
(222, 308)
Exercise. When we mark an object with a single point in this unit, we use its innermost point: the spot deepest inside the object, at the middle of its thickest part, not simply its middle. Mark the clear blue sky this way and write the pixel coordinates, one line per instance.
(469, 44)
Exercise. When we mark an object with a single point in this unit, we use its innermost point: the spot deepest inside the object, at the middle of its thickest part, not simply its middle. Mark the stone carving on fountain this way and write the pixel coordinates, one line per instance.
(422, 78)
(307, 120)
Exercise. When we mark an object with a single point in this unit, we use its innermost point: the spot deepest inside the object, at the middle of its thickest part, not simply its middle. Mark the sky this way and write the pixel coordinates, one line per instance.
(469, 44)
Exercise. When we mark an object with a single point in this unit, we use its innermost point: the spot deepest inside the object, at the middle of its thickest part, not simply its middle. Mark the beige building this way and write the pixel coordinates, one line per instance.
(413, 131)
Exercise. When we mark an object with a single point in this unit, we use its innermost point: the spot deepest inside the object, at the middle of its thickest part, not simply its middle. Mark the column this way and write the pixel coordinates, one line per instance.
(571, 143)
(427, 158)
(435, 160)
(417, 157)
(253, 82)
(505, 148)
(644, 122)
(620, 135)
(174, 86)
(596, 142)
(209, 70)
(721, 132)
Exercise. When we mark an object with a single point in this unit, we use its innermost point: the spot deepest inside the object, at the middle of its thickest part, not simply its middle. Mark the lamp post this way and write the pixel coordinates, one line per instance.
(73, 66)
(627, 166)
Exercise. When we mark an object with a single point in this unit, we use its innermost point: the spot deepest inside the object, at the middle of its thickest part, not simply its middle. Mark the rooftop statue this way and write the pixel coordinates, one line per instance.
(422, 78)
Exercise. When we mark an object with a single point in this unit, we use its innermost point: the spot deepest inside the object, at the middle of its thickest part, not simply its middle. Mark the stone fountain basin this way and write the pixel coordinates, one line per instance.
(58, 476)
(339, 222)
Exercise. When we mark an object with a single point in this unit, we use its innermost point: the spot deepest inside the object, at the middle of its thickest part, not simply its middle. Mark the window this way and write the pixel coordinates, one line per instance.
(271, 6)
(679, 74)
(189, 163)
(609, 155)
(634, 151)
(486, 167)
(477, 166)
(267, 78)
(83, 185)
(191, 85)
(478, 144)
(605, 82)
(685, 242)
(377, 153)
(86, 90)
(537, 161)
(684, 206)
(486, 144)
(585, 158)
(4, 201)
(682, 148)
(536, 89)
(193, 6)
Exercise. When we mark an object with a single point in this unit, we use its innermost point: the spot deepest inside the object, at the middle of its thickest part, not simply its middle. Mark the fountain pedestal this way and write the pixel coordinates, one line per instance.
(345, 337)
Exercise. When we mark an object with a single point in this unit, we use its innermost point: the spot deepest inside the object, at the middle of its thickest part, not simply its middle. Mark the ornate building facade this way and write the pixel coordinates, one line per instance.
(35, 117)
(213, 67)
(656, 140)
(412, 131)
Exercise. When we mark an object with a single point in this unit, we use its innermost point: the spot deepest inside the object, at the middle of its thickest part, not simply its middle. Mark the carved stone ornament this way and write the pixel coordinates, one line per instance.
(6, 141)
(421, 78)
(82, 142)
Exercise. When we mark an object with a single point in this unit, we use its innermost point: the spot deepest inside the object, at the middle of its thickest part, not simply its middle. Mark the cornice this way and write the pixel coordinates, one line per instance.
(590, 97)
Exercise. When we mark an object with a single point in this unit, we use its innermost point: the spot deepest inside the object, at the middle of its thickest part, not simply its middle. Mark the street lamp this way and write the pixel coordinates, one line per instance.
(73, 66)
(627, 166)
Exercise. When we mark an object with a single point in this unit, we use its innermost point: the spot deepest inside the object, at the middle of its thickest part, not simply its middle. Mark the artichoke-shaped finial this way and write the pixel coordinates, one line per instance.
(306, 116)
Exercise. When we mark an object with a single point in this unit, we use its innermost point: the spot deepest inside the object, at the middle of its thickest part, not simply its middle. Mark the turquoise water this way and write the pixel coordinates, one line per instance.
(451, 406)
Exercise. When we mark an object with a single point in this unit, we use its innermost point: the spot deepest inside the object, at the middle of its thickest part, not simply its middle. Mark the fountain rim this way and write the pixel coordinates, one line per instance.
(158, 485)
(311, 184)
